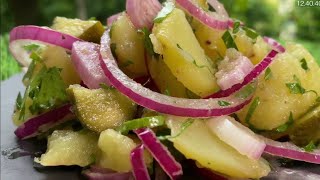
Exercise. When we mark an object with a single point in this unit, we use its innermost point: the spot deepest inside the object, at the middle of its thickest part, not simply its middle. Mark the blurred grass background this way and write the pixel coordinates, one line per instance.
(280, 19)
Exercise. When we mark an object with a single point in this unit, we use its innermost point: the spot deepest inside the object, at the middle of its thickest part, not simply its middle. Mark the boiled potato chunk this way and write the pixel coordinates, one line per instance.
(198, 143)
(66, 147)
(54, 56)
(115, 151)
(87, 30)
(183, 55)
(100, 109)
(276, 100)
(129, 47)
(165, 80)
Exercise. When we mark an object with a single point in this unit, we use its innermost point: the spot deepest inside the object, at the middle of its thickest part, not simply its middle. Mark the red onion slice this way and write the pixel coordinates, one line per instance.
(85, 57)
(274, 44)
(140, 170)
(219, 8)
(44, 122)
(98, 173)
(112, 18)
(142, 12)
(210, 20)
(290, 151)
(160, 153)
(24, 35)
(257, 70)
(159, 102)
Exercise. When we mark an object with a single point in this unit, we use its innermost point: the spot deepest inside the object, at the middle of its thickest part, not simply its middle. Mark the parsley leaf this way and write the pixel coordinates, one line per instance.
(183, 127)
(147, 41)
(295, 88)
(310, 147)
(165, 11)
(304, 64)
(224, 103)
(236, 27)
(267, 74)
(19, 101)
(255, 103)
(47, 90)
(228, 40)
(31, 47)
(251, 33)
(285, 126)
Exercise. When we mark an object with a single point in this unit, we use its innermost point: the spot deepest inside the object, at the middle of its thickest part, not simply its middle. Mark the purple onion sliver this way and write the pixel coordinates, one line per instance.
(274, 44)
(140, 170)
(48, 119)
(98, 173)
(257, 70)
(172, 168)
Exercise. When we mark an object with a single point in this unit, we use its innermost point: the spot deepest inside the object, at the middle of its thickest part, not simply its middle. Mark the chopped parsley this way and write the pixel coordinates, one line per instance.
(228, 40)
(311, 146)
(236, 27)
(304, 64)
(19, 101)
(255, 103)
(267, 74)
(147, 41)
(285, 126)
(295, 87)
(251, 33)
(31, 47)
(168, 7)
(224, 103)
(183, 127)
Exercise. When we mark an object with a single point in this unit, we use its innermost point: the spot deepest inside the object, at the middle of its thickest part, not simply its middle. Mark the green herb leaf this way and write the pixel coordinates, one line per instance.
(236, 27)
(31, 47)
(47, 90)
(165, 11)
(255, 103)
(267, 74)
(224, 103)
(295, 88)
(126, 64)
(228, 40)
(251, 33)
(304, 64)
(183, 127)
(285, 126)
(19, 101)
(147, 41)
(150, 122)
(246, 91)
(310, 147)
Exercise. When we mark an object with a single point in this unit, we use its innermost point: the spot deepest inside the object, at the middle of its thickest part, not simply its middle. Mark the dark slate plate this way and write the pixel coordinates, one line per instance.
(17, 156)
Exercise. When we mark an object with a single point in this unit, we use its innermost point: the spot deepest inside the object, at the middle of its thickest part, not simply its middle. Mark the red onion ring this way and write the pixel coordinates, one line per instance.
(218, 7)
(44, 122)
(142, 12)
(274, 44)
(23, 35)
(159, 102)
(257, 70)
(160, 153)
(203, 16)
(140, 170)
(289, 150)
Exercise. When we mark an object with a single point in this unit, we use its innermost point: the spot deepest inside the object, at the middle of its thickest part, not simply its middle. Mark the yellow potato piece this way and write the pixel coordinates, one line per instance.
(198, 143)
(183, 54)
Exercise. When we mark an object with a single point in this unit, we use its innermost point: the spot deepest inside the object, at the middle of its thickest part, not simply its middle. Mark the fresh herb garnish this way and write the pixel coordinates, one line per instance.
(19, 101)
(228, 40)
(150, 122)
(147, 41)
(295, 87)
(267, 74)
(311, 146)
(246, 91)
(251, 33)
(224, 103)
(168, 7)
(183, 127)
(255, 103)
(126, 64)
(304, 64)
(284, 127)
(31, 47)
(236, 27)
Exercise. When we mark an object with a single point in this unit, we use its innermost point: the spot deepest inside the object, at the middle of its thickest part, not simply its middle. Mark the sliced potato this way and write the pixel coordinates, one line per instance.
(183, 55)
(66, 147)
(198, 143)
(100, 109)
(87, 30)
(115, 151)
(276, 97)
(129, 47)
